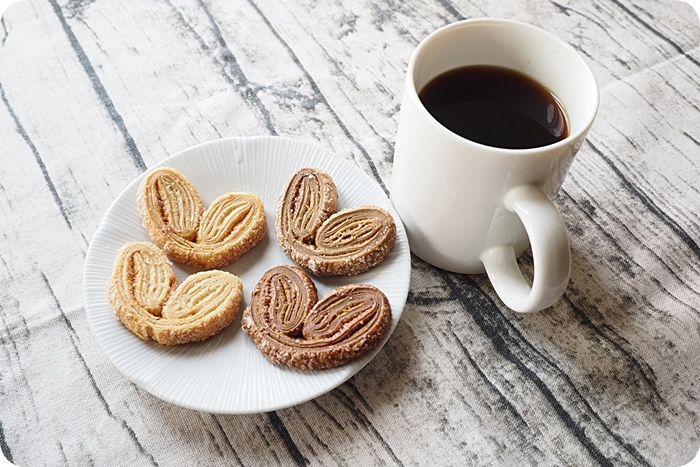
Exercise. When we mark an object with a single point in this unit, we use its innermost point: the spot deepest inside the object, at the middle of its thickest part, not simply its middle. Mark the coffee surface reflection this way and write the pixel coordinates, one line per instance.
(495, 106)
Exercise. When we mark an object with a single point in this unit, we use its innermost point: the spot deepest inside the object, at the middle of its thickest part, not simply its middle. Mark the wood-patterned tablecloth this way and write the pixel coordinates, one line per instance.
(94, 92)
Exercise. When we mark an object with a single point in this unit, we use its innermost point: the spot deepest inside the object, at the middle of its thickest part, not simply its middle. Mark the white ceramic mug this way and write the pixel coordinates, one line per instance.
(470, 208)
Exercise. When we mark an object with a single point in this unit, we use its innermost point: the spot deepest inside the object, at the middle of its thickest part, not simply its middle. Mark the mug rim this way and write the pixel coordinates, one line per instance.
(572, 137)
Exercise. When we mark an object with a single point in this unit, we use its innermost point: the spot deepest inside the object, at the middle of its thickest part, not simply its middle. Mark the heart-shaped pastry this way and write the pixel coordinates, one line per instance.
(144, 295)
(291, 328)
(173, 214)
(326, 242)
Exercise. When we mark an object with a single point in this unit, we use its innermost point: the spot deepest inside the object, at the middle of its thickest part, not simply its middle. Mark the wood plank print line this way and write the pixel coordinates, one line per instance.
(244, 86)
(609, 335)
(647, 202)
(90, 376)
(629, 259)
(452, 10)
(313, 432)
(4, 30)
(322, 98)
(362, 420)
(657, 33)
(99, 88)
(502, 399)
(603, 29)
(14, 352)
(228, 440)
(287, 440)
(6, 451)
(496, 327)
(47, 178)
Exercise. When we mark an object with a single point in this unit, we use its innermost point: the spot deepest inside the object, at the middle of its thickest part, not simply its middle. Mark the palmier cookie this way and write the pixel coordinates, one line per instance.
(291, 328)
(173, 215)
(144, 295)
(326, 242)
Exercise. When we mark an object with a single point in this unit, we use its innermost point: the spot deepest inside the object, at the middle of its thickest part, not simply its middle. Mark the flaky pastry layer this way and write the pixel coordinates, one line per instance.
(324, 241)
(144, 295)
(291, 328)
(173, 214)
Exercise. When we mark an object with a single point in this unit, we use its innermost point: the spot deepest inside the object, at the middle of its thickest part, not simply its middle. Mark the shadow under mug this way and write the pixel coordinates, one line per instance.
(471, 208)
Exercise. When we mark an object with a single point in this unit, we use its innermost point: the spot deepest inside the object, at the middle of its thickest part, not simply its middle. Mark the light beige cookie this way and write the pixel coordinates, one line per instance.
(326, 242)
(291, 328)
(173, 214)
(144, 295)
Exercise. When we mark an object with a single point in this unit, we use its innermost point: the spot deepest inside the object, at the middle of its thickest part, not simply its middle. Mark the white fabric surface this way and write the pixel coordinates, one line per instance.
(93, 92)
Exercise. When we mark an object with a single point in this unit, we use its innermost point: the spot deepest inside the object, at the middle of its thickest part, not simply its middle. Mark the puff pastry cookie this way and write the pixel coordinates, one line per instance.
(326, 242)
(173, 215)
(144, 295)
(291, 328)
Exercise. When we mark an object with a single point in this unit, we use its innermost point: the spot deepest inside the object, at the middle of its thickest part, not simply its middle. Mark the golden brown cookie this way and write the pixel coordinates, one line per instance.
(326, 242)
(173, 215)
(144, 295)
(291, 328)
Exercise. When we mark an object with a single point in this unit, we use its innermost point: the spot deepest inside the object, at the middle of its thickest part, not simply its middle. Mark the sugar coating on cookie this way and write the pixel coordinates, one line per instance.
(173, 214)
(324, 241)
(291, 328)
(145, 296)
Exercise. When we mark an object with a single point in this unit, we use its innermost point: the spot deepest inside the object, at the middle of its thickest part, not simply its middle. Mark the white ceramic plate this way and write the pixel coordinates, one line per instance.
(226, 373)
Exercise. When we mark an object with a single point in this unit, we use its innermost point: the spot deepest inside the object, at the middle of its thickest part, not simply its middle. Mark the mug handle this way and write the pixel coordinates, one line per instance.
(550, 252)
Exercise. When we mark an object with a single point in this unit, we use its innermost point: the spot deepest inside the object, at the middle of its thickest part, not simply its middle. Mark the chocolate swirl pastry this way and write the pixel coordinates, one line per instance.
(144, 295)
(291, 328)
(173, 215)
(326, 242)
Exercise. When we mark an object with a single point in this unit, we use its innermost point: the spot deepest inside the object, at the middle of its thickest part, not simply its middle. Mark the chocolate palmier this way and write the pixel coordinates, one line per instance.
(291, 328)
(145, 296)
(325, 241)
(173, 214)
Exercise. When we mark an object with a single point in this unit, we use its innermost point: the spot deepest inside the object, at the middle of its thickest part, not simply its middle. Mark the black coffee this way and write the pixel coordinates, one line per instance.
(495, 106)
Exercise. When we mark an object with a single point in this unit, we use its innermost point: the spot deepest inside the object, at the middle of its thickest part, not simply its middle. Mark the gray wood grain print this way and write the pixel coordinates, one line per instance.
(93, 92)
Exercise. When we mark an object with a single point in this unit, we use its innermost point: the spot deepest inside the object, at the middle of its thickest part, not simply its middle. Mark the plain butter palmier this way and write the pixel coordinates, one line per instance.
(173, 214)
(325, 241)
(145, 296)
(292, 328)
